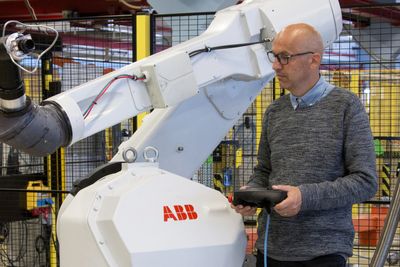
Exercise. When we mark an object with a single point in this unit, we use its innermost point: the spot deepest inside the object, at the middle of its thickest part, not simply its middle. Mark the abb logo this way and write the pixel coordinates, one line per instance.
(180, 213)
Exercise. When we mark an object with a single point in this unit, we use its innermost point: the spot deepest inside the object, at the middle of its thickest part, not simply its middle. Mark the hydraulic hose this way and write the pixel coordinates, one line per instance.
(37, 130)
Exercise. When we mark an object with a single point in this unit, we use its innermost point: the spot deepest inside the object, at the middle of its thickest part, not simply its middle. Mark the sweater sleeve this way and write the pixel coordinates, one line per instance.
(360, 182)
(259, 178)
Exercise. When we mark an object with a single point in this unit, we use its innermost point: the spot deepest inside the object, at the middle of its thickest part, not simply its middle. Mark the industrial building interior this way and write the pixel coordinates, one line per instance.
(98, 37)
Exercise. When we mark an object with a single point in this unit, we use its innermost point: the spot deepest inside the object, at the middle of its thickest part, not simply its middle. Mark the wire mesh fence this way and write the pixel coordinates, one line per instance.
(33, 188)
(364, 60)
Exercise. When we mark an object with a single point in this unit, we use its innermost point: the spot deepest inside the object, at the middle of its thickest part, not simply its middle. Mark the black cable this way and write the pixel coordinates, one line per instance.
(15, 258)
(56, 247)
(40, 244)
(3, 232)
(209, 48)
(23, 246)
(54, 238)
(4, 253)
(40, 247)
(25, 251)
(22, 250)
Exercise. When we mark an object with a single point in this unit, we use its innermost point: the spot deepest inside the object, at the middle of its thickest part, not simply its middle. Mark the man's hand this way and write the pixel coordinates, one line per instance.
(244, 210)
(292, 204)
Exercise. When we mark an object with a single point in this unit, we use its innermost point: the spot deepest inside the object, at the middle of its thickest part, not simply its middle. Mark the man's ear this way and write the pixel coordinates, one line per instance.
(316, 60)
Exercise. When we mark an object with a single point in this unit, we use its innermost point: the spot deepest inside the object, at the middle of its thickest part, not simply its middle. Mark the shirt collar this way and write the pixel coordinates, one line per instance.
(312, 96)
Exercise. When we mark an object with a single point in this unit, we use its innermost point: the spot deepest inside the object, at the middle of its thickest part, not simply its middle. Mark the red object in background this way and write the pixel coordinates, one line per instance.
(251, 233)
(369, 226)
(49, 9)
(107, 70)
(230, 198)
(44, 211)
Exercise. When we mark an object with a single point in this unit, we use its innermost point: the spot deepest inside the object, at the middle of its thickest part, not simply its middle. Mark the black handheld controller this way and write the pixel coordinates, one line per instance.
(258, 197)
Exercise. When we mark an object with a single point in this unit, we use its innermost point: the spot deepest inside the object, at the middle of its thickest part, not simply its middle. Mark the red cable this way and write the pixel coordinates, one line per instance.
(104, 90)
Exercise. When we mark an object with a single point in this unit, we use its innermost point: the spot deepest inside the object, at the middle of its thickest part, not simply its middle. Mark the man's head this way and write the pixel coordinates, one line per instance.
(299, 48)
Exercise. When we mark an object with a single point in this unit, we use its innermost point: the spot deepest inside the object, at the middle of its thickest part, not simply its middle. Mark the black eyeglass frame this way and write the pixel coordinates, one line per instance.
(284, 59)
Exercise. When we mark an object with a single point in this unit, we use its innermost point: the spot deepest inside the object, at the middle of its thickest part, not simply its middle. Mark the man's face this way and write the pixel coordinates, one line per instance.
(296, 73)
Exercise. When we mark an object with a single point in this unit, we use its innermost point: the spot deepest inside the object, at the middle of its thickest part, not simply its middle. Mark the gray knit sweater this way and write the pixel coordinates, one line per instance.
(327, 150)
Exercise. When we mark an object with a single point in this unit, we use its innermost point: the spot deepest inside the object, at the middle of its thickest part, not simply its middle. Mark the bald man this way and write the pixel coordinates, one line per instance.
(316, 144)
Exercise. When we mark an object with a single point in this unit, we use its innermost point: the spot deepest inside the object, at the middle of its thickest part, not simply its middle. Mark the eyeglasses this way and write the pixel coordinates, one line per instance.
(282, 58)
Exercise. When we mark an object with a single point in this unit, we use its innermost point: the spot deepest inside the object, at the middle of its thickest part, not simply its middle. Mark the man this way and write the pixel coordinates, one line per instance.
(316, 144)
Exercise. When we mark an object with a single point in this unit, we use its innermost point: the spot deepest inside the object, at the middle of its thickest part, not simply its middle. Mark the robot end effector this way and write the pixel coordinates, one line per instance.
(23, 124)
(13, 48)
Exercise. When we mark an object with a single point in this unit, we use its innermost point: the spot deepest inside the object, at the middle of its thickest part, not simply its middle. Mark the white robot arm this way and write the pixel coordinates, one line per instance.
(149, 214)
(190, 91)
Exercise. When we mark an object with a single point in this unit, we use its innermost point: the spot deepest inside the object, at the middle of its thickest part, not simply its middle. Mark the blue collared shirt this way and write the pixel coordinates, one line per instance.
(321, 89)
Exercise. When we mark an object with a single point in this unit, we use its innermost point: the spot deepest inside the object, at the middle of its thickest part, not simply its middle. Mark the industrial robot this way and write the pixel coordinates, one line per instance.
(140, 209)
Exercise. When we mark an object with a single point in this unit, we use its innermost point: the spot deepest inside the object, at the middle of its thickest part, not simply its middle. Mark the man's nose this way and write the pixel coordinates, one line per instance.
(276, 65)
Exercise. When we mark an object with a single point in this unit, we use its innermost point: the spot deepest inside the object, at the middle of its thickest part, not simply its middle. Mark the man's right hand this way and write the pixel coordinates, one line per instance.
(244, 210)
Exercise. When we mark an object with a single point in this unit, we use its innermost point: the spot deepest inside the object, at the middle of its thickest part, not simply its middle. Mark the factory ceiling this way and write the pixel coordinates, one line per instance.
(56, 9)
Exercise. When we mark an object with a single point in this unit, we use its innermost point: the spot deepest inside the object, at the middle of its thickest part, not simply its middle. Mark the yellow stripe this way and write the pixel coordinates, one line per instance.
(63, 170)
(239, 158)
(385, 185)
(53, 253)
(109, 144)
(355, 82)
(259, 116)
(142, 47)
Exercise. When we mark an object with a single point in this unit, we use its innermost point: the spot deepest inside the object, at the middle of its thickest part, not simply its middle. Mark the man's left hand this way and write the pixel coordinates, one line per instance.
(292, 204)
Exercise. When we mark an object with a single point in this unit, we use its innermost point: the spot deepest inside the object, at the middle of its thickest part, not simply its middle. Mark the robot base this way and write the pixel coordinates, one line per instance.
(145, 216)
